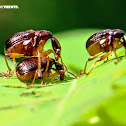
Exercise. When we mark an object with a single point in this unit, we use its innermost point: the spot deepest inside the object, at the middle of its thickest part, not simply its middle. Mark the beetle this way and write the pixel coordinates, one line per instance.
(29, 43)
(27, 69)
(105, 41)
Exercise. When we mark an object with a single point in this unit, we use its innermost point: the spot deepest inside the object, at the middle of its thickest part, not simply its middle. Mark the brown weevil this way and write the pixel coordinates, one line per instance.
(29, 43)
(106, 41)
(27, 69)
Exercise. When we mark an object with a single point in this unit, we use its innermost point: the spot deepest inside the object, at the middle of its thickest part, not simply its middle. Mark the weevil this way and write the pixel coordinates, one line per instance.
(27, 69)
(104, 42)
(29, 43)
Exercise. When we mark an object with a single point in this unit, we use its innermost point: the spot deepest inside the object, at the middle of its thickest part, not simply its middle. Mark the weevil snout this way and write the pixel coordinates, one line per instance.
(56, 47)
(57, 56)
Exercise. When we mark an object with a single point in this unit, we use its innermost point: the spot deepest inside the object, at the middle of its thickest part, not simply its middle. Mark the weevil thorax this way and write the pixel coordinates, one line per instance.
(60, 69)
(40, 39)
(117, 39)
(51, 62)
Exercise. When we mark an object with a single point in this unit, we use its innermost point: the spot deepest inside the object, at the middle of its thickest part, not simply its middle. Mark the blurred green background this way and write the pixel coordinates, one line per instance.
(60, 15)
(77, 100)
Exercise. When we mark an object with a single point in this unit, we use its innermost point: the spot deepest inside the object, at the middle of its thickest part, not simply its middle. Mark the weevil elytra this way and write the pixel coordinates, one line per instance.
(27, 69)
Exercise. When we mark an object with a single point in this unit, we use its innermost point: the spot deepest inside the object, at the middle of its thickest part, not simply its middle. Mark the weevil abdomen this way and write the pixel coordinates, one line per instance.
(104, 41)
(27, 68)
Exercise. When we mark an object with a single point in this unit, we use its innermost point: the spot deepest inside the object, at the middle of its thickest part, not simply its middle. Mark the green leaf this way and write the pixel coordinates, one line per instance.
(97, 99)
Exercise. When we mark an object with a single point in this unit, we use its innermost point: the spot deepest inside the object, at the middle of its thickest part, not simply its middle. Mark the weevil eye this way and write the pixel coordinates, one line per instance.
(58, 50)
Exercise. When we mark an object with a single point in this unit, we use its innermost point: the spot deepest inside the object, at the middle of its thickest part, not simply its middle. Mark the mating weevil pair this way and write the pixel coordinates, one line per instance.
(31, 43)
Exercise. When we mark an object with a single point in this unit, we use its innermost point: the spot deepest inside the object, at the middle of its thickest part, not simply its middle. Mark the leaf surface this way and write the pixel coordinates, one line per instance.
(97, 99)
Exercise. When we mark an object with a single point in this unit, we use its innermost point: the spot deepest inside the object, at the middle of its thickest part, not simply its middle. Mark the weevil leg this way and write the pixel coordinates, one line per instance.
(57, 72)
(89, 59)
(5, 57)
(51, 77)
(44, 56)
(66, 69)
(14, 62)
(47, 65)
(73, 74)
(116, 57)
(99, 59)
(12, 71)
(106, 60)
(81, 73)
(33, 81)
(39, 65)
(42, 81)
(57, 49)
(48, 51)
(63, 64)
(9, 71)
(35, 76)
(13, 55)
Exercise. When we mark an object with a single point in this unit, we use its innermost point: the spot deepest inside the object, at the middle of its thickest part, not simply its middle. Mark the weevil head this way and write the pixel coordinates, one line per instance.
(60, 69)
(43, 34)
(51, 62)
